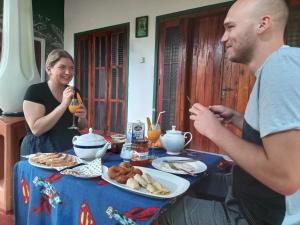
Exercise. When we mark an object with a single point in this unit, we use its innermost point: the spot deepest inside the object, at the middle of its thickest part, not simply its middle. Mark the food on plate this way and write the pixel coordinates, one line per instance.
(114, 172)
(160, 189)
(125, 165)
(147, 178)
(182, 165)
(140, 180)
(122, 172)
(151, 188)
(134, 178)
(122, 179)
(151, 185)
(185, 166)
(132, 183)
(54, 159)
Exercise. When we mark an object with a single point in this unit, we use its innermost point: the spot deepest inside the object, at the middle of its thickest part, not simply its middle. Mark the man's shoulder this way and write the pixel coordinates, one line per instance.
(284, 56)
(287, 51)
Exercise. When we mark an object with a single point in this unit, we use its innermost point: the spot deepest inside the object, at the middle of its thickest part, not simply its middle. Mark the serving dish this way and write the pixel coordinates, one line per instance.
(175, 184)
(162, 164)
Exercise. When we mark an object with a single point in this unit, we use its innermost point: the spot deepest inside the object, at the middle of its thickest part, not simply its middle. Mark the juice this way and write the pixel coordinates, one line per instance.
(73, 108)
(153, 135)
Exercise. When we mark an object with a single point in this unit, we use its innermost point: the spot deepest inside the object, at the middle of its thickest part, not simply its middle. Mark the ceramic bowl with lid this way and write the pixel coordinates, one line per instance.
(90, 145)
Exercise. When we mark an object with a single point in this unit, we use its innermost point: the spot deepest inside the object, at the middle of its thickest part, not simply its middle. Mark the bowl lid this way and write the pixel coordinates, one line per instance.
(89, 139)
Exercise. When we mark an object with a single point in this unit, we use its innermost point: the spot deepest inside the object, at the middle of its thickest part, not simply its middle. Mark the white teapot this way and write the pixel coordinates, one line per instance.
(90, 146)
(173, 141)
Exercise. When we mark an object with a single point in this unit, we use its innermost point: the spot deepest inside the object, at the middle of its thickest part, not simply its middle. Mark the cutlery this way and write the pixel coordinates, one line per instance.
(189, 100)
(178, 168)
(179, 160)
(71, 167)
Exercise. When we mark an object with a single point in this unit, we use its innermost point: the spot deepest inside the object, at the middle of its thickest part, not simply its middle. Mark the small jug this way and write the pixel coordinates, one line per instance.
(173, 141)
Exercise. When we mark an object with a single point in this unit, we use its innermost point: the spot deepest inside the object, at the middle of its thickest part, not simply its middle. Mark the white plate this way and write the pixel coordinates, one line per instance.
(197, 166)
(91, 170)
(175, 184)
(49, 167)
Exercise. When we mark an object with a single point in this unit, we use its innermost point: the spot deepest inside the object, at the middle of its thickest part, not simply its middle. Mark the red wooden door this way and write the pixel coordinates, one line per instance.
(196, 67)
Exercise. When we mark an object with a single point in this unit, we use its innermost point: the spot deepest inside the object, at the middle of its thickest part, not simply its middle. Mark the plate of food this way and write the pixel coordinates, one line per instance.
(147, 182)
(56, 161)
(179, 165)
(92, 169)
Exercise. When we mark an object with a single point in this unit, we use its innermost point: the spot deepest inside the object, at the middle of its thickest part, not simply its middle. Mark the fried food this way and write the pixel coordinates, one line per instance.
(54, 159)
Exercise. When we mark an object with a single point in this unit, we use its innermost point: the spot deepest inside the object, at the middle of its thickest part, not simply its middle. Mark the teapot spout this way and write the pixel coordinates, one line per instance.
(102, 151)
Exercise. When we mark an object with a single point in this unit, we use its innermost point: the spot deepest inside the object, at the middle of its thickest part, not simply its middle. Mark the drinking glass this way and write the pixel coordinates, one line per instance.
(153, 134)
(74, 105)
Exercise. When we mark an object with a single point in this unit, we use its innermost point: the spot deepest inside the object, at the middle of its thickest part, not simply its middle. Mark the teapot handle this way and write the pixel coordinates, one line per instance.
(191, 137)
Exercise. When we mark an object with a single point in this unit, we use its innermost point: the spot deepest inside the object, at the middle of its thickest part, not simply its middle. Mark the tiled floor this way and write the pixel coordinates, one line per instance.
(6, 219)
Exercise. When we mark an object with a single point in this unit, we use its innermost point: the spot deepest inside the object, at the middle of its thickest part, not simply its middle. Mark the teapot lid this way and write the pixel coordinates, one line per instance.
(174, 131)
(90, 139)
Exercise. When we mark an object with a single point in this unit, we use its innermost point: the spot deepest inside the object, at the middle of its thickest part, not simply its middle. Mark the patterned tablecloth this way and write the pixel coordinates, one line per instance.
(43, 197)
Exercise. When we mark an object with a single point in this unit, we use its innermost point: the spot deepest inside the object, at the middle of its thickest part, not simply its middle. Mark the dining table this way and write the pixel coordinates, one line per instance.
(46, 197)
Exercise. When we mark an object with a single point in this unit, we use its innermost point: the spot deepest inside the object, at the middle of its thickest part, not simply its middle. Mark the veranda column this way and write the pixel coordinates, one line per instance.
(18, 69)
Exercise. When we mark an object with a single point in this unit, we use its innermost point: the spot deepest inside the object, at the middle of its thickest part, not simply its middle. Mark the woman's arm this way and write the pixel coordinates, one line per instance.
(36, 119)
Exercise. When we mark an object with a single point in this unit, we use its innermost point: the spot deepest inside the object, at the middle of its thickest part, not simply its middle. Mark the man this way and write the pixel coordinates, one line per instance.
(266, 181)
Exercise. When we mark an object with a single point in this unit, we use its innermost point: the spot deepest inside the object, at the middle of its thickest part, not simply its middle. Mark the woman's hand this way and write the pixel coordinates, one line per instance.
(68, 94)
(81, 112)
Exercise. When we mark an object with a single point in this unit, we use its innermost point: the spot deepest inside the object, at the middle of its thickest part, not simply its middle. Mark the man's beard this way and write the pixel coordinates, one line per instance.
(243, 55)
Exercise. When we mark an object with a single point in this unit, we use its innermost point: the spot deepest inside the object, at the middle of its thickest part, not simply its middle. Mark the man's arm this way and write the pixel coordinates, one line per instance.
(275, 164)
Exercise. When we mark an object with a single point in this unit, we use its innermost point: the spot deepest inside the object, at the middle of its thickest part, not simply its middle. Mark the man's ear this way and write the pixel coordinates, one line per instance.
(264, 24)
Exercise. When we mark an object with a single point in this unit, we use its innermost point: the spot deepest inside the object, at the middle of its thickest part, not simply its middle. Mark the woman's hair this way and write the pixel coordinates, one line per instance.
(55, 55)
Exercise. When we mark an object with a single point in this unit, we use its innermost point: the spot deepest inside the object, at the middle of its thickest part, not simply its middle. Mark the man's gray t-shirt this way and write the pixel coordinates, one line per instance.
(274, 106)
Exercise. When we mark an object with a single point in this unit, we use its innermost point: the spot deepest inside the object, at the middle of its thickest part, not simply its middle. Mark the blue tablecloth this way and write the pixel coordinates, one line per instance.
(85, 201)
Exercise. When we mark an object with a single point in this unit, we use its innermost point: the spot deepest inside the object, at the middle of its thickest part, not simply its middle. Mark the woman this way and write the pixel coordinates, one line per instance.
(46, 111)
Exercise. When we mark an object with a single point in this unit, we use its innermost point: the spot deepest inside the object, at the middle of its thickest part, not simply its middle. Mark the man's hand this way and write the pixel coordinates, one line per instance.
(205, 121)
(227, 115)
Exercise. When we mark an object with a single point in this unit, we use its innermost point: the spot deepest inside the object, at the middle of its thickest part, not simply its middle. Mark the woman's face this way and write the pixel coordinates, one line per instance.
(62, 71)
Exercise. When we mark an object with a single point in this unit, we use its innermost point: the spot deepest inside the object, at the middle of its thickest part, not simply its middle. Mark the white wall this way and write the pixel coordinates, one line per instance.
(84, 15)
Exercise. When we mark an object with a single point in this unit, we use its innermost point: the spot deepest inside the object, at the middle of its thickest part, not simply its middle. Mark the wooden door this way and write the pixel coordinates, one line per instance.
(213, 78)
(192, 63)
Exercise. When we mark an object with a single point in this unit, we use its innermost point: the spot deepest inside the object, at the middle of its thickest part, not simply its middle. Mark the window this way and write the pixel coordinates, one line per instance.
(101, 58)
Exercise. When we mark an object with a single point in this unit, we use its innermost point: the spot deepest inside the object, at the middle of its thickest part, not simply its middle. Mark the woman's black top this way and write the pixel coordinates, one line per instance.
(59, 138)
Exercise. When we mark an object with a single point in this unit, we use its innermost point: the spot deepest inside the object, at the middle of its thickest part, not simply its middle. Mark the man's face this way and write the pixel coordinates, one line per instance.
(240, 36)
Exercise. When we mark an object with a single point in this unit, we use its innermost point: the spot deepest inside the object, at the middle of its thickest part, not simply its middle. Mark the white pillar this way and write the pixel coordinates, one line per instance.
(18, 69)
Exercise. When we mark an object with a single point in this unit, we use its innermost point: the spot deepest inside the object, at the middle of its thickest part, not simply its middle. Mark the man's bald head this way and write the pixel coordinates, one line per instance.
(255, 9)
(254, 29)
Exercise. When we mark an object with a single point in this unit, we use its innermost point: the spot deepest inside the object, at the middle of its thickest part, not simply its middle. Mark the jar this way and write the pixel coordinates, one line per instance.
(140, 156)
(126, 152)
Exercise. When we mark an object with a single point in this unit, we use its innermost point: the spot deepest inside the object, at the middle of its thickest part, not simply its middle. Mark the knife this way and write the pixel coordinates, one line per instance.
(71, 167)
(179, 160)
